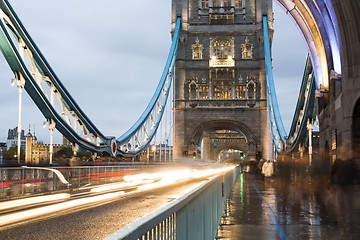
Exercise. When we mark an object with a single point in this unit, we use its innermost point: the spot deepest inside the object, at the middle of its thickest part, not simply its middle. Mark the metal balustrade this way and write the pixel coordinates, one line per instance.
(20, 182)
(195, 215)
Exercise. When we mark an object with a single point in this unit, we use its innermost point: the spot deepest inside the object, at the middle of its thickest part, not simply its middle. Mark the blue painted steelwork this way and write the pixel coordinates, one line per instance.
(17, 45)
(277, 126)
(139, 136)
(305, 108)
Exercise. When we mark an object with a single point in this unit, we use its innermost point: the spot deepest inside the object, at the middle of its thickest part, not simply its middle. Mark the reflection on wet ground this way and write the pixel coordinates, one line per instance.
(288, 209)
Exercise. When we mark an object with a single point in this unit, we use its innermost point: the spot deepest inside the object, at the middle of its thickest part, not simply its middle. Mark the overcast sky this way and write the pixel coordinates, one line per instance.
(110, 54)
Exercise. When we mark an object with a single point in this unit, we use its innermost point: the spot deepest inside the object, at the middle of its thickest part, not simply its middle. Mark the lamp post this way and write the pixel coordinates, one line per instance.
(20, 83)
(51, 128)
(148, 154)
(154, 150)
(310, 127)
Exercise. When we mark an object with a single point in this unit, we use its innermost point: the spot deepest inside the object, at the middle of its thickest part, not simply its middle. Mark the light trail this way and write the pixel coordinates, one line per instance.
(32, 200)
(140, 181)
(115, 186)
(27, 214)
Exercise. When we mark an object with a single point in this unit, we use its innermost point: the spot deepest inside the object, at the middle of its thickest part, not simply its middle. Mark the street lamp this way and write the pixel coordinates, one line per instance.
(20, 83)
(310, 127)
(153, 148)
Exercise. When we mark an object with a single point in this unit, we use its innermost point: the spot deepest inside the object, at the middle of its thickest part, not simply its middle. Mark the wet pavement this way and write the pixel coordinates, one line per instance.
(277, 209)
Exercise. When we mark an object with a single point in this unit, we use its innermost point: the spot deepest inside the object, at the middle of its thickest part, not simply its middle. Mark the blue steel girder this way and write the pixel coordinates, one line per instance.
(305, 108)
(276, 124)
(139, 136)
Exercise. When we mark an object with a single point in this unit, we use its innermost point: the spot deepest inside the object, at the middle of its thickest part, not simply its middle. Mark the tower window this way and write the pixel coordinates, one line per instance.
(251, 90)
(197, 50)
(217, 3)
(203, 91)
(222, 90)
(240, 91)
(247, 49)
(238, 3)
(227, 3)
(222, 48)
(204, 3)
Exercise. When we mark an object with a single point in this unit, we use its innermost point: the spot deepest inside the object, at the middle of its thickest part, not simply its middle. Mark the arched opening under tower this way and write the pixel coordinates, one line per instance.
(223, 146)
(231, 156)
(217, 140)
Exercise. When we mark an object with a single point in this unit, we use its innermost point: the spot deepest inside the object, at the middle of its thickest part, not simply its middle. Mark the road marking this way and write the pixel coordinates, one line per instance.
(271, 215)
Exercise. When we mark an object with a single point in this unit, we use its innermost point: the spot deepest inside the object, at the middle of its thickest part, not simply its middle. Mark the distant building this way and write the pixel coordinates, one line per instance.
(66, 142)
(12, 139)
(37, 152)
(2, 149)
(2, 146)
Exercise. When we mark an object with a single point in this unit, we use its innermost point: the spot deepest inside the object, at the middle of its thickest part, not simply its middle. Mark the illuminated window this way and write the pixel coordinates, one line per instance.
(227, 3)
(197, 50)
(222, 48)
(240, 91)
(204, 3)
(247, 49)
(238, 3)
(217, 3)
(203, 92)
(222, 90)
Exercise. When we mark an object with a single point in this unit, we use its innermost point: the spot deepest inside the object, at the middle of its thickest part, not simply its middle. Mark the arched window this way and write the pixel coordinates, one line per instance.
(247, 49)
(222, 48)
(251, 90)
(193, 90)
(197, 50)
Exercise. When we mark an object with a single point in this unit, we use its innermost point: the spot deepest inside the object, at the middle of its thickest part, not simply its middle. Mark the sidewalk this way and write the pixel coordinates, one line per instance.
(261, 209)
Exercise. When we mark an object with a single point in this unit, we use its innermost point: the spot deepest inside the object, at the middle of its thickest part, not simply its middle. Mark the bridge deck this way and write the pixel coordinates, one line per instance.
(261, 209)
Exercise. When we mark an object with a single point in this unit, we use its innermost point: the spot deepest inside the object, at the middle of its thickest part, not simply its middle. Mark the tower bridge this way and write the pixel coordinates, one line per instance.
(224, 94)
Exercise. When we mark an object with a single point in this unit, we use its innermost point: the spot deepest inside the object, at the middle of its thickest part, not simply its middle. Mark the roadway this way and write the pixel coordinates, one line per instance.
(89, 213)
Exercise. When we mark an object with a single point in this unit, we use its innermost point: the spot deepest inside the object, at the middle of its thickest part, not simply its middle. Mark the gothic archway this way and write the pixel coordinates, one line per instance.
(248, 146)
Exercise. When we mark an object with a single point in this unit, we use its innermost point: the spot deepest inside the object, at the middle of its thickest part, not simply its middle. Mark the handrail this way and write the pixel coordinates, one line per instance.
(171, 215)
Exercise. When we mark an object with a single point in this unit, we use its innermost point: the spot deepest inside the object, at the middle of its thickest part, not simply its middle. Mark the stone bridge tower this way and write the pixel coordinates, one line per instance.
(220, 81)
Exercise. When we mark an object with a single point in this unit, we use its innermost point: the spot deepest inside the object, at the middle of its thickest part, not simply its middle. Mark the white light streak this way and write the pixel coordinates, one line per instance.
(32, 200)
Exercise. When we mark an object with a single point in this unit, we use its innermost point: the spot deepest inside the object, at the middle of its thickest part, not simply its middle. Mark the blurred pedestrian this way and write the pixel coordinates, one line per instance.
(343, 178)
(268, 170)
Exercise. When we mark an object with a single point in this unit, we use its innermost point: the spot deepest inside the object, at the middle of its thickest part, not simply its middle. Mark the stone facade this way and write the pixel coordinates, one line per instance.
(37, 153)
(220, 80)
(339, 108)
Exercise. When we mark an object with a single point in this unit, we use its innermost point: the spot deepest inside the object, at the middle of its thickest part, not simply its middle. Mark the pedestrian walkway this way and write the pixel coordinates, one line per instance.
(258, 209)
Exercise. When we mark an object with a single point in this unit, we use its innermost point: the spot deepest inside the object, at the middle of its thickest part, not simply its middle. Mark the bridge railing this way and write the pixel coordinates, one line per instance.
(22, 182)
(195, 215)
